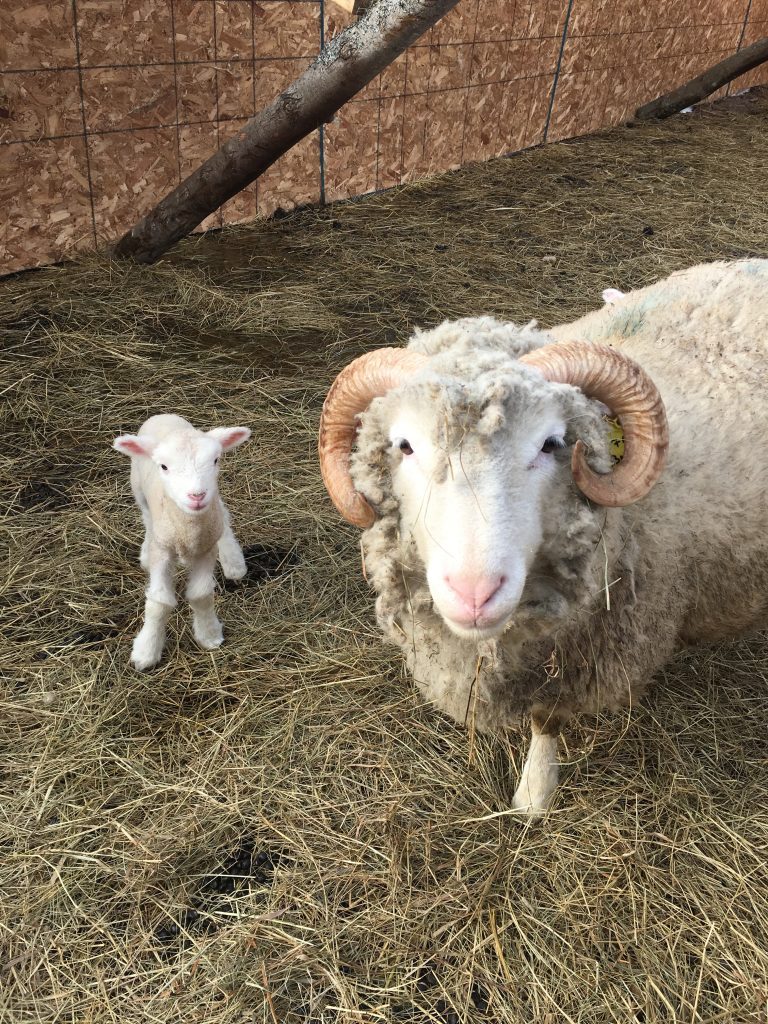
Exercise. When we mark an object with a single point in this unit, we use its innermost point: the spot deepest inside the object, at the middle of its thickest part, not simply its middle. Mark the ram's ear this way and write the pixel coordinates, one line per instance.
(131, 444)
(230, 437)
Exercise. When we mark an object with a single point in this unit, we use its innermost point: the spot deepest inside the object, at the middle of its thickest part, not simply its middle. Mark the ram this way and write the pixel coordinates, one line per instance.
(519, 567)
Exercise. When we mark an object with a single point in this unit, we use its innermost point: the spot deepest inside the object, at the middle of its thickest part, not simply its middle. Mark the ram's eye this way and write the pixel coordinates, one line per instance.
(552, 444)
(405, 447)
(215, 462)
(164, 468)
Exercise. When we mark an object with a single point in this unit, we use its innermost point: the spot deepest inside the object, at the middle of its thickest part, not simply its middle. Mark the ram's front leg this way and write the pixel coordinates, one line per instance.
(160, 601)
(200, 588)
(541, 769)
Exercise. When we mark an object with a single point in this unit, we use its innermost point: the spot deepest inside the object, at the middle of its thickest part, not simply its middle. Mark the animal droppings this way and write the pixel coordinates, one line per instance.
(244, 867)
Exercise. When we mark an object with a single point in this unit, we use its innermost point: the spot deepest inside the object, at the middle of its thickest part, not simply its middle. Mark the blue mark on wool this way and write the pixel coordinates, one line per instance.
(628, 320)
(753, 266)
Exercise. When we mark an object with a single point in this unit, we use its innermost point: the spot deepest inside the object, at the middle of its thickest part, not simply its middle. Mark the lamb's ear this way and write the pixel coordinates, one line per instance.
(131, 444)
(230, 437)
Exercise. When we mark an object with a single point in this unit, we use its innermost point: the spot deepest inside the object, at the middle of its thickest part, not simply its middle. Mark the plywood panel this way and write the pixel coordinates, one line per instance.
(131, 95)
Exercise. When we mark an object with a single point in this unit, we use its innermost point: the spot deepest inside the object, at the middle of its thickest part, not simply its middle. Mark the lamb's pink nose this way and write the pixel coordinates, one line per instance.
(196, 495)
(474, 592)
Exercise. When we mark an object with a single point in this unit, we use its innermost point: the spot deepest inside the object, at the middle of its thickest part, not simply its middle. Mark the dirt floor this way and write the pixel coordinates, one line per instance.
(282, 831)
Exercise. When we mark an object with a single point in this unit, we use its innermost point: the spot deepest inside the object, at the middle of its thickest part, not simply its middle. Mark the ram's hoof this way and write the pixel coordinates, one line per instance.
(530, 810)
(534, 800)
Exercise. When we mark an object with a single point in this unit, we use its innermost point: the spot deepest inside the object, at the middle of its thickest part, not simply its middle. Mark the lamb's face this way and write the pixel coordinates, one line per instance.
(479, 471)
(189, 470)
(187, 460)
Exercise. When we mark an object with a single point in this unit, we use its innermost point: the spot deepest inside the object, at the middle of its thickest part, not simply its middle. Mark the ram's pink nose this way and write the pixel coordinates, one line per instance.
(473, 593)
(196, 495)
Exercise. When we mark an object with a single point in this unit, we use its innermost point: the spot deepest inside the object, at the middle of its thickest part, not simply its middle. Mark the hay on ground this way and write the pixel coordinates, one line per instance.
(282, 831)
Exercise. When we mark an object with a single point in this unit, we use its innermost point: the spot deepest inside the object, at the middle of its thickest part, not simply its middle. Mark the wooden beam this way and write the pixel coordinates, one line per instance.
(350, 61)
(710, 81)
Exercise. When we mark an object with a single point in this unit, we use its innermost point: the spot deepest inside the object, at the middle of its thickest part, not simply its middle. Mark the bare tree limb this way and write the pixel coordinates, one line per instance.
(707, 83)
(343, 68)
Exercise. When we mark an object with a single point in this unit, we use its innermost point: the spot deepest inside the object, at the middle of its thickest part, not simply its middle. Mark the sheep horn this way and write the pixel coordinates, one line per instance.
(617, 381)
(366, 378)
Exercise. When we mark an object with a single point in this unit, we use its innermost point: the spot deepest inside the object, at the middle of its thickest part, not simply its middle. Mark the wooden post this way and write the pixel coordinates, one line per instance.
(343, 68)
(707, 83)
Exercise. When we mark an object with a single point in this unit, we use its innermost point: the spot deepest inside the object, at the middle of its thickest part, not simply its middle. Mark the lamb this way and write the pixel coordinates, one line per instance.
(520, 571)
(611, 296)
(174, 478)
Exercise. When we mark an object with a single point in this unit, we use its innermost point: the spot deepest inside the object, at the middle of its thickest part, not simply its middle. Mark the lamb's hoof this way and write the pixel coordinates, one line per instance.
(145, 653)
(234, 570)
(232, 562)
(209, 637)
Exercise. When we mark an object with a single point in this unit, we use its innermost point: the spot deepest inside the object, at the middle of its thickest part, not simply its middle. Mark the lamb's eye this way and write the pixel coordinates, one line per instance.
(405, 447)
(164, 468)
(552, 444)
(215, 462)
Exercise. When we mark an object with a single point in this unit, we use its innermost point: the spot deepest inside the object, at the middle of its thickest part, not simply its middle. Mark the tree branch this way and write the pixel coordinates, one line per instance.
(707, 83)
(343, 68)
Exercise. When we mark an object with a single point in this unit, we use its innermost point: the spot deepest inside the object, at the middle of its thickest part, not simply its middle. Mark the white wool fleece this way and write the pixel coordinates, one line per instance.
(174, 478)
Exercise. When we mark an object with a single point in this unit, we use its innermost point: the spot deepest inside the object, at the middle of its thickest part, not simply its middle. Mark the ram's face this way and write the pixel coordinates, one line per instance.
(473, 476)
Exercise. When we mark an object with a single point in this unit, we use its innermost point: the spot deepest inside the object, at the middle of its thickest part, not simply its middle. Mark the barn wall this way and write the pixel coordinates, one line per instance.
(106, 104)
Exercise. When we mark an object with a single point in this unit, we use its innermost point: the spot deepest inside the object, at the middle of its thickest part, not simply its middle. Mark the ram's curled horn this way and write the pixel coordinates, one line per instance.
(610, 377)
(597, 370)
(366, 378)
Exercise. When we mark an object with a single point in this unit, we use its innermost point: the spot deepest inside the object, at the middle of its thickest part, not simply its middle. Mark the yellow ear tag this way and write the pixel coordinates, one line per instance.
(615, 439)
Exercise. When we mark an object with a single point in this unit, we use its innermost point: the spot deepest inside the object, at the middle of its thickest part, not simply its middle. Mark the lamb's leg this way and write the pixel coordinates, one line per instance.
(540, 772)
(160, 601)
(144, 553)
(205, 624)
(146, 516)
(230, 553)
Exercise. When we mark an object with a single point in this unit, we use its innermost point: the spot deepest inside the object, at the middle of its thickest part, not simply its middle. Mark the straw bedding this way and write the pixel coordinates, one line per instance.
(281, 831)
